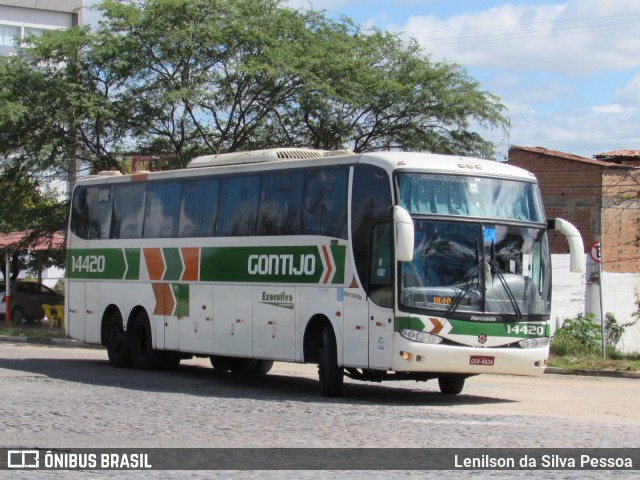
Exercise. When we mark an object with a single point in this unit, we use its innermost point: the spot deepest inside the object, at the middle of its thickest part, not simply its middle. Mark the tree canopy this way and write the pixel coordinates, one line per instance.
(178, 78)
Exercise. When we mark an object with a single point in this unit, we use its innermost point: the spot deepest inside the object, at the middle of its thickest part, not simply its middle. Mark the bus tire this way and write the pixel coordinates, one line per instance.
(242, 365)
(219, 364)
(171, 360)
(331, 375)
(117, 342)
(451, 384)
(263, 367)
(143, 355)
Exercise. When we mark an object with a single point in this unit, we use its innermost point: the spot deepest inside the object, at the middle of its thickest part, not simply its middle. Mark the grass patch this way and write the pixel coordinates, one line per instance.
(592, 361)
(37, 330)
(572, 354)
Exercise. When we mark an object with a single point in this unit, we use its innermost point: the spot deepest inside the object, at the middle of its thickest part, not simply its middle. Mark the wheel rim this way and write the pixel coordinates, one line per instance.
(116, 339)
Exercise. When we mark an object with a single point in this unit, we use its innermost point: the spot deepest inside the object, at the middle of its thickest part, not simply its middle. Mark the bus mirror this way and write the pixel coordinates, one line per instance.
(404, 234)
(576, 246)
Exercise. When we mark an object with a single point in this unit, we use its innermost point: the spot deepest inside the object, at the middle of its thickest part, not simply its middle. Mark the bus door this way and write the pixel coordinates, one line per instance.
(83, 307)
(194, 312)
(91, 324)
(233, 320)
(274, 322)
(381, 297)
(76, 308)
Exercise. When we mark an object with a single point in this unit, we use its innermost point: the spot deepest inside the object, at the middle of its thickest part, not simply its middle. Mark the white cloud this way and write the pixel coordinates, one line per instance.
(576, 37)
(630, 93)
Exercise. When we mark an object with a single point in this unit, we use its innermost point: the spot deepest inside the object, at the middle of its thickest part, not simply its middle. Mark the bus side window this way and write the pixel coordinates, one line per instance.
(280, 202)
(381, 269)
(370, 202)
(325, 203)
(80, 213)
(238, 206)
(199, 207)
(128, 215)
(163, 207)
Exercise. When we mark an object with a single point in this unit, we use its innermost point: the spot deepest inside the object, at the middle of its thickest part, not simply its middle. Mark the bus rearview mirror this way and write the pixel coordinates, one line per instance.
(404, 234)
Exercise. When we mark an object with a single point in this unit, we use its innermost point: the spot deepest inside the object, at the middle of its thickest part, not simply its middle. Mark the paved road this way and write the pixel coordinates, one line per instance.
(56, 397)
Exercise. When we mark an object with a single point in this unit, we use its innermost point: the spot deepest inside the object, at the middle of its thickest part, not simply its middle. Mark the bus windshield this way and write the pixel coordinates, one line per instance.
(475, 268)
(436, 194)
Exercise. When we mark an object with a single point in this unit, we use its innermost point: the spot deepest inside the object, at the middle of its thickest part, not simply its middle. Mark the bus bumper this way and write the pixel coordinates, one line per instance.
(420, 357)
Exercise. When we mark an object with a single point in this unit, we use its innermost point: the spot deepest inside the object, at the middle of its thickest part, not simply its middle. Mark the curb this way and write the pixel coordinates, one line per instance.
(58, 342)
(592, 373)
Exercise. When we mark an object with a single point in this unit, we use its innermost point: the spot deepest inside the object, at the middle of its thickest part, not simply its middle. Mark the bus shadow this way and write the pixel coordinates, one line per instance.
(206, 382)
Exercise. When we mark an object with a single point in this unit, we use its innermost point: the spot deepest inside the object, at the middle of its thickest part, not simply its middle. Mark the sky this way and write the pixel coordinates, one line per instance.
(568, 72)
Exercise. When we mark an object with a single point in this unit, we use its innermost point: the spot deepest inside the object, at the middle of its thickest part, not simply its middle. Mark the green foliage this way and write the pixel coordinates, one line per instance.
(182, 77)
(178, 78)
(613, 330)
(582, 335)
(583, 330)
(568, 346)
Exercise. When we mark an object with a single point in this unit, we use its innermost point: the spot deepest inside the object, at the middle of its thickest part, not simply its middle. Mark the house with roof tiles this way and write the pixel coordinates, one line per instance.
(601, 197)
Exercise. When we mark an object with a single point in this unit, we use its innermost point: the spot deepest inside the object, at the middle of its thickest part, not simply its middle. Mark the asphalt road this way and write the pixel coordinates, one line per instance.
(56, 397)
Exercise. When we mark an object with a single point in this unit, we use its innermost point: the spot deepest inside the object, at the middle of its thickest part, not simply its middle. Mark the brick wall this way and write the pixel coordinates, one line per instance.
(577, 190)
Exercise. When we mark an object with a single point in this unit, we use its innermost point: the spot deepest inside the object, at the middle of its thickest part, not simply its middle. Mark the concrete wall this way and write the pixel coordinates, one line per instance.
(573, 293)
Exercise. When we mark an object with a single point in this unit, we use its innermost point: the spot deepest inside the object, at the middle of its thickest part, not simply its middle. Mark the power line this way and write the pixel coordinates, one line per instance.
(575, 19)
(524, 37)
(530, 34)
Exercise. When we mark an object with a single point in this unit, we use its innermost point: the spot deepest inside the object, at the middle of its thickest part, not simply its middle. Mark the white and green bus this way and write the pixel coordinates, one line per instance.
(377, 266)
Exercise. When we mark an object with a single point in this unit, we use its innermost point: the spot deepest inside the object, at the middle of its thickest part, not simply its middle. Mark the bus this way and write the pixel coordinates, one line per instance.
(374, 266)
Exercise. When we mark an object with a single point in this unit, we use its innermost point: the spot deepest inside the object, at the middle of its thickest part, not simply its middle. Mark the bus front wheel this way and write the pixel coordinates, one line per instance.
(330, 373)
(143, 356)
(451, 384)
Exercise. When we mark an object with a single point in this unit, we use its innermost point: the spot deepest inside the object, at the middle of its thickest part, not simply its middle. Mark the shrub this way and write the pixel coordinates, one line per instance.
(582, 335)
(582, 329)
(566, 346)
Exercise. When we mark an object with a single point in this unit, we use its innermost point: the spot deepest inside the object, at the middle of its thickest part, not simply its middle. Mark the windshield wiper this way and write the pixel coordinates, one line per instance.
(503, 281)
(473, 278)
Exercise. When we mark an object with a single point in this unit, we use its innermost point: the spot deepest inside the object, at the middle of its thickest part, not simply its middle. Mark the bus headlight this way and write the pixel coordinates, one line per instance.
(534, 342)
(422, 337)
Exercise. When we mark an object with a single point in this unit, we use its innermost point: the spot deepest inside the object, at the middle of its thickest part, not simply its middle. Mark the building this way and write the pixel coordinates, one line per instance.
(601, 197)
(21, 18)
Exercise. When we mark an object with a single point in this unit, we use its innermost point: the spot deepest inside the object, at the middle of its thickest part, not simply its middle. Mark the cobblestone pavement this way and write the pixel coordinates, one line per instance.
(70, 398)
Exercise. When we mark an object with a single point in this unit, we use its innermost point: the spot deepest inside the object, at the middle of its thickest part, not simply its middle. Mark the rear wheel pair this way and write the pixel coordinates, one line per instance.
(135, 346)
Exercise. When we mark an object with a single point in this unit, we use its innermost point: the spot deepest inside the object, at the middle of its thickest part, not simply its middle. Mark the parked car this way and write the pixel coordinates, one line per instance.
(27, 299)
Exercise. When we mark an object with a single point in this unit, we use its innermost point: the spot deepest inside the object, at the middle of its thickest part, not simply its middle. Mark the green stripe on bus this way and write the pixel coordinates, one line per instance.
(97, 264)
(409, 323)
(293, 264)
(173, 261)
(133, 263)
(181, 294)
(516, 330)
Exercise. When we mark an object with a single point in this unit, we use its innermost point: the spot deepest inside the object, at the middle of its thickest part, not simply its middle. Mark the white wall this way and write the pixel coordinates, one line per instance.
(572, 294)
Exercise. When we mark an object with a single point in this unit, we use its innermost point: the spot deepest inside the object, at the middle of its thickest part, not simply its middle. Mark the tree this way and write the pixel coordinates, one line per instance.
(26, 207)
(179, 78)
(183, 77)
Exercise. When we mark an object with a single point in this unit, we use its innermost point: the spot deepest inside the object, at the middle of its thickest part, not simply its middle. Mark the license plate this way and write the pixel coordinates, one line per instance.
(481, 360)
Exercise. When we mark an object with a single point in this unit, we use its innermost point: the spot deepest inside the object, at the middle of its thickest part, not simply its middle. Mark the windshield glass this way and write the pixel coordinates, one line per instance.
(432, 194)
(478, 268)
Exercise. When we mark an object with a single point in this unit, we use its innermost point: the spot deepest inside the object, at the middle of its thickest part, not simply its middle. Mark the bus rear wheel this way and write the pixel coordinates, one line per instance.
(331, 375)
(117, 342)
(451, 384)
(143, 355)
(263, 367)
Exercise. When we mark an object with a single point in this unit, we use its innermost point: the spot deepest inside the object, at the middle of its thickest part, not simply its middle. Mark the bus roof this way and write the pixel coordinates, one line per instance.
(437, 163)
(260, 160)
